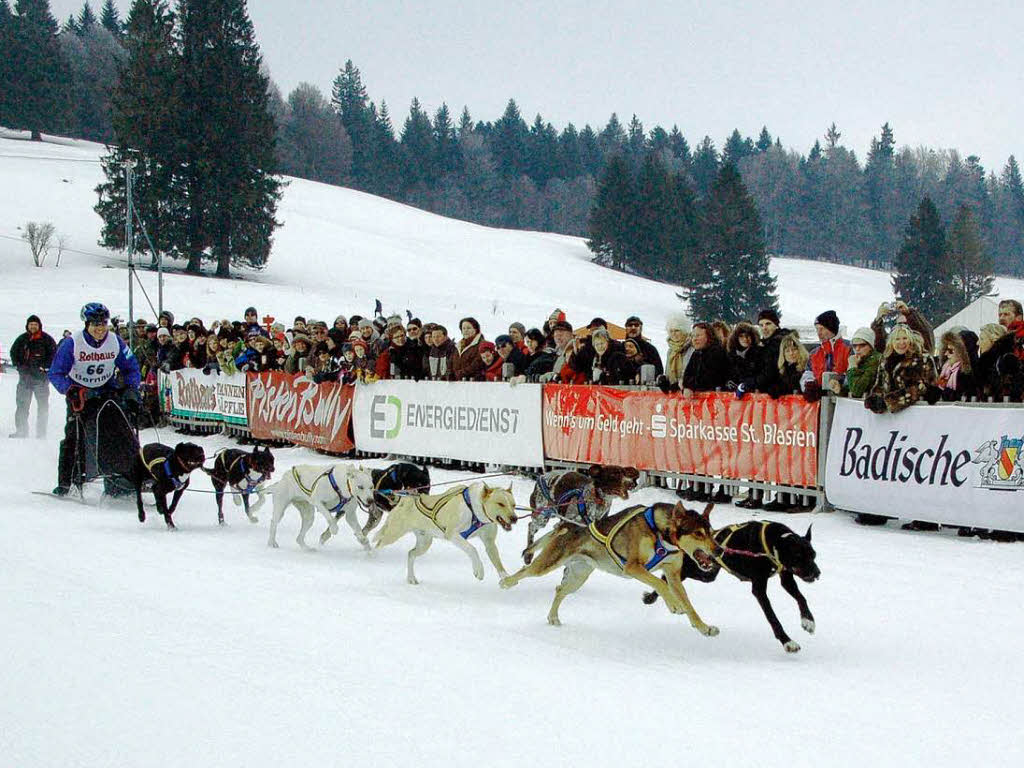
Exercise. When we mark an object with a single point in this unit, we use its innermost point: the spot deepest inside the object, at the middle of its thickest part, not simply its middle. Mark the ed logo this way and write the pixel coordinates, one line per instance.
(385, 410)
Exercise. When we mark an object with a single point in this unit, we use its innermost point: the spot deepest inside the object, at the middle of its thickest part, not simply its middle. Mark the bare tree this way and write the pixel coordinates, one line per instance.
(38, 236)
(62, 244)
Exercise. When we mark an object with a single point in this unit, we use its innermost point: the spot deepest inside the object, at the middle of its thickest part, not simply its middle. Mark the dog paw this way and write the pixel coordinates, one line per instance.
(253, 519)
(710, 631)
(222, 522)
(478, 575)
(324, 538)
(272, 544)
(792, 646)
(412, 580)
(554, 621)
(808, 625)
(507, 583)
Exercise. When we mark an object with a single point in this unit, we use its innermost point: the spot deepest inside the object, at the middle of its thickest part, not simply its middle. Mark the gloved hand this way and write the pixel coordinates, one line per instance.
(932, 394)
(741, 391)
(132, 402)
(75, 394)
(812, 392)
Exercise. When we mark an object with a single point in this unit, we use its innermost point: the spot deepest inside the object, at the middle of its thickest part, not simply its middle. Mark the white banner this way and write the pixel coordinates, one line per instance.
(211, 396)
(474, 421)
(948, 463)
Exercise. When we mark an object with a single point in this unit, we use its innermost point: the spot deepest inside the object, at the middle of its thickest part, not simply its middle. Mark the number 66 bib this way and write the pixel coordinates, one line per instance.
(94, 366)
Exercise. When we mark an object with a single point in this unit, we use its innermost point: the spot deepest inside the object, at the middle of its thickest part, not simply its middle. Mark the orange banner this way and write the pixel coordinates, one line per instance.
(713, 433)
(296, 409)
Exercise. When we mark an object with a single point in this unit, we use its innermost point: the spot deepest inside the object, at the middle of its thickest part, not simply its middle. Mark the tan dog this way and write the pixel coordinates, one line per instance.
(629, 543)
(455, 515)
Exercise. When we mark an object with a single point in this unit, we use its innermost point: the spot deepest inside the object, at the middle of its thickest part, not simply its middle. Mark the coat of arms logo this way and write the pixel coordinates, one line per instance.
(1002, 464)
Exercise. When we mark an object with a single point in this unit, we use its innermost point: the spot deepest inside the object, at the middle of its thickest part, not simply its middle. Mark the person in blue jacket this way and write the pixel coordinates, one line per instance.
(90, 368)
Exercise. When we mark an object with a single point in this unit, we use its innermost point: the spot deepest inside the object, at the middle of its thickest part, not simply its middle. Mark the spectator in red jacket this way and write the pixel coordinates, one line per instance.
(833, 355)
(492, 361)
(1011, 317)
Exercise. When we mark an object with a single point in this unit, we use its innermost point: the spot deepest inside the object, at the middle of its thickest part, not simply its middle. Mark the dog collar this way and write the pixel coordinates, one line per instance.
(475, 523)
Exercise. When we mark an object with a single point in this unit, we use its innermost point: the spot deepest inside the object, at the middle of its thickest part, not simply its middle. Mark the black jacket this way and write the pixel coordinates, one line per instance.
(650, 354)
(33, 356)
(707, 370)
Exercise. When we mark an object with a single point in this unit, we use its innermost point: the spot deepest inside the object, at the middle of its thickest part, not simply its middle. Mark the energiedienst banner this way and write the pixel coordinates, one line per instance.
(295, 408)
(206, 396)
(713, 433)
(952, 463)
(474, 421)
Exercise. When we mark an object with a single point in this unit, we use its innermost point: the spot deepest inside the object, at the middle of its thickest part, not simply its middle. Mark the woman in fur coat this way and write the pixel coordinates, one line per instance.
(744, 348)
(905, 375)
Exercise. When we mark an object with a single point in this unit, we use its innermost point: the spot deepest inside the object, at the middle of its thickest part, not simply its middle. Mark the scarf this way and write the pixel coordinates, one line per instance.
(947, 378)
(676, 360)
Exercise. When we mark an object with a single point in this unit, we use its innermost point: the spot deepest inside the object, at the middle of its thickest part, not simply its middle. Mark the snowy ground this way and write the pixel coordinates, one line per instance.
(127, 645)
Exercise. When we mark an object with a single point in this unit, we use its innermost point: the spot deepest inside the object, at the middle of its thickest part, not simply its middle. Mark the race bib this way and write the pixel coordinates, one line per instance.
(94, 366)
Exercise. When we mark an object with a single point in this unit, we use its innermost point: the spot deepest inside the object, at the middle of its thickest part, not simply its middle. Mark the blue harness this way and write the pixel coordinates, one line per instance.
(563, 500)
(475, 524)
(661, 550)
(172, 477)
(342, 501)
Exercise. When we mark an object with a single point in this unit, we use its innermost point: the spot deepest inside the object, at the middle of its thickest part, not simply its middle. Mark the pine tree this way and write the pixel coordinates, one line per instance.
(569, 162)
(7, 41)
(734, 281)
(612, 139)
(736, 148)
(612, 228)
(38, 95)
(228, 137)
(764, 140)
(353, 107)
(70, 26)
(86, 18)
(508, 142)
(682, 233)
(446, 143)
(542, 152)
(880, 187)
(921, 276)
(111, 19)
(704, 167)
(968, 261)
(419, 152)
(590, 151)
(651, 220)
(1008, 220)
(143, 117)
(680, 149)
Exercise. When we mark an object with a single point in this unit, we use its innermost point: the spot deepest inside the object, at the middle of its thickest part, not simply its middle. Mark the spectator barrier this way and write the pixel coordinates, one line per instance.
(958, 464)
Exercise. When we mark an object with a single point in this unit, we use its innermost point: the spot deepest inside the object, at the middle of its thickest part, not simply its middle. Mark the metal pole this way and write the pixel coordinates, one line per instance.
(128, 248)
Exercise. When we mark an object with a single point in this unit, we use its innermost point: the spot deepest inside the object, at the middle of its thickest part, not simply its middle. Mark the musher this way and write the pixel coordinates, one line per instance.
(85, 370)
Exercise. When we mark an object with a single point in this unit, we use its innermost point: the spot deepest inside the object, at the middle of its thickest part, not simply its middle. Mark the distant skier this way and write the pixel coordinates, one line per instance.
(85, 370)
(31, 354)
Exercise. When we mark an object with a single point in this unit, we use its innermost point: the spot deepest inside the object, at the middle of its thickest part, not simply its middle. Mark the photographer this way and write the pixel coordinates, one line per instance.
(892, 313)
(863, 366)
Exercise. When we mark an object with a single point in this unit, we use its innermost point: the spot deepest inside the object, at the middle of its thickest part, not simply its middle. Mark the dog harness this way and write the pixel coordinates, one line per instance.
(431, 511)
(562, 501)
(329, 474)
(150, 465)
(661, 548)
(766, 551)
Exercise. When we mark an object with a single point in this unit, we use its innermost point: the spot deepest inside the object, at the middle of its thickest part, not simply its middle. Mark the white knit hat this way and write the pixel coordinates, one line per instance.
(679, 322)
(865, 335)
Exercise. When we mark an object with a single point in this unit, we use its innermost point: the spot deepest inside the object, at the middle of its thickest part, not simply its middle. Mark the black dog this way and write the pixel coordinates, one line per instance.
(244, 473)
(402, 476)
(755, 552)
(162, 469)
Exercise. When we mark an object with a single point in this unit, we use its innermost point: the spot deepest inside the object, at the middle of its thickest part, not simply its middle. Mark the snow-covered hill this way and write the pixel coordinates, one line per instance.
(124, 645)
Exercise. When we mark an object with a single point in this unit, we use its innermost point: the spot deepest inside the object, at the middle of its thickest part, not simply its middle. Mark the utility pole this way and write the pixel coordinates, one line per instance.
(129, 167)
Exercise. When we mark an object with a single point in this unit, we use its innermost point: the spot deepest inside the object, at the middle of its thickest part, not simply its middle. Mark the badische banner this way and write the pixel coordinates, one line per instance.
(960, 465)
(474, 421)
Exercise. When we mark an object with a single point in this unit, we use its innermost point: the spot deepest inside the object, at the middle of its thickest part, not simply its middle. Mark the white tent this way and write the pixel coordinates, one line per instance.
(979, 312)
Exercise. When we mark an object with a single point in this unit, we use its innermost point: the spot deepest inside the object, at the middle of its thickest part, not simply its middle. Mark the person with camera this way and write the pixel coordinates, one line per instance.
(892, 313)
(92, 368)
(863, 366)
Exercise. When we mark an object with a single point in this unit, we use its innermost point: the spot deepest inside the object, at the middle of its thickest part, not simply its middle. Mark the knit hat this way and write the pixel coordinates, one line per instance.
(486, 346)
(864, 335)
(250, 311)
(562, 325)
(162, 331)
(633, 319)
(518, 326)
(299, 319)
(769, 314)
(829, 319)
(556, 315)
(502, 340)
(678, 322)
(300, 338)
(365, 323)
(358, 343)
(598, 322)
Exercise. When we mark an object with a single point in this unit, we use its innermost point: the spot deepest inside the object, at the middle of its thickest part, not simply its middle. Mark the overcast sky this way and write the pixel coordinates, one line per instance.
(942, 73)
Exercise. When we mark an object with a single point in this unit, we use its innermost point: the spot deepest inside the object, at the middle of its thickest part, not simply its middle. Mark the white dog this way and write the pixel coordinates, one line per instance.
(455, 515)
(335, 490)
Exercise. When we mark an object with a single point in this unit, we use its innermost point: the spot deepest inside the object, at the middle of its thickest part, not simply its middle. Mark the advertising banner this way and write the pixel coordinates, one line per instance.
(206, 396)
(952, 464)
(713, 433)
(296, 409)
(474, 421)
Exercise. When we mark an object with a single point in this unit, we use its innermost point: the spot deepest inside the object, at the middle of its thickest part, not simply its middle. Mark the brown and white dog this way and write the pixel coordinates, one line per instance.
(630, 543)
(456, 515)
(577, 496)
